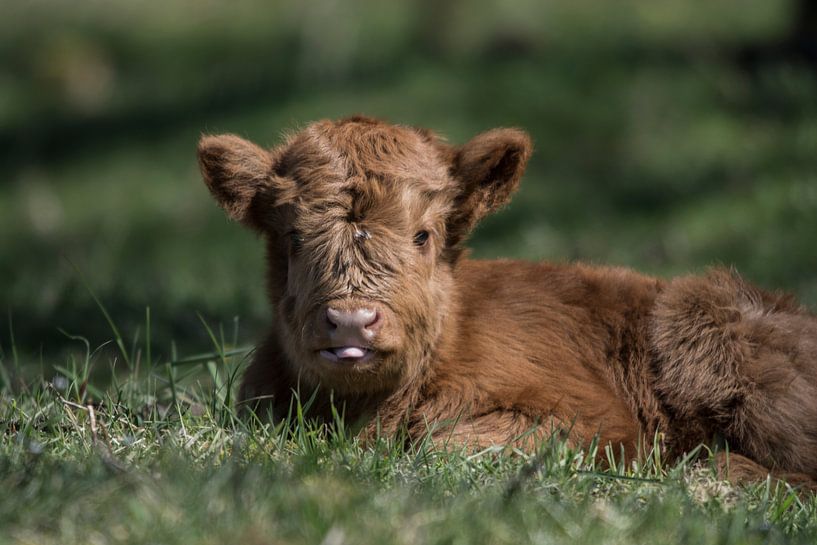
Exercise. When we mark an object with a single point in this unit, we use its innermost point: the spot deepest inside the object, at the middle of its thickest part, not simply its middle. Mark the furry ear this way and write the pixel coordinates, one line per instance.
(488, 170)
(236, 172)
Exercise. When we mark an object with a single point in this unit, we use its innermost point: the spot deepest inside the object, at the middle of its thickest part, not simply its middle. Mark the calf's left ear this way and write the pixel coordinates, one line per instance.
(236, 171)
(488, 170)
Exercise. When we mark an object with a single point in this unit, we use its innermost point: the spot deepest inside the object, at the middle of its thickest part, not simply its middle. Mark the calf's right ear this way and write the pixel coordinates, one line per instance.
(237, 172)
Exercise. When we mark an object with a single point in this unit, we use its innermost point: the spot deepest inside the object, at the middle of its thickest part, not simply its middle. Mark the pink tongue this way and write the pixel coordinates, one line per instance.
(349, 352)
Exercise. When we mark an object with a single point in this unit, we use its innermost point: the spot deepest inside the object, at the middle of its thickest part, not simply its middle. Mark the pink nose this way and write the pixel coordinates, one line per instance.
(360, 323)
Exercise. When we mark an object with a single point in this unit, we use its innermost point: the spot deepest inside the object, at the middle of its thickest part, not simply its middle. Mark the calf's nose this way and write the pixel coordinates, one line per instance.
(358, 322)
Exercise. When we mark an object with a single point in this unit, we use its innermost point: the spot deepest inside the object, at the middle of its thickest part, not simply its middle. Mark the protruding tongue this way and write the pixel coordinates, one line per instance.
(349, 352)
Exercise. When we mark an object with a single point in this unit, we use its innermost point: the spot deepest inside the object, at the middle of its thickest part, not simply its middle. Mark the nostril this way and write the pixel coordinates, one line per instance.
(333, 317)
(363, 317)
(372, 321)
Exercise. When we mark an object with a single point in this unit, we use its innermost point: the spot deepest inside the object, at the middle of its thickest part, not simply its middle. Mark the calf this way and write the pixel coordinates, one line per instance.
(378, 308)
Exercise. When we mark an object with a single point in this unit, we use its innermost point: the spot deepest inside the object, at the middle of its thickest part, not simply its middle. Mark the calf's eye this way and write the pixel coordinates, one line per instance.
(420, 238)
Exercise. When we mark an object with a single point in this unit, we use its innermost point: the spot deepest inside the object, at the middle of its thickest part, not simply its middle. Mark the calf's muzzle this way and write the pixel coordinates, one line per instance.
(350, 331)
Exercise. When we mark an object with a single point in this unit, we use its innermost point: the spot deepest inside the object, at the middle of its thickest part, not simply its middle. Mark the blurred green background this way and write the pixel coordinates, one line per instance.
(669, 136)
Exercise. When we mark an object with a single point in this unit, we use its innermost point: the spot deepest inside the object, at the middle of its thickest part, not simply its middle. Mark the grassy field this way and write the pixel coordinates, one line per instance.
(159, 457)
(668, 138)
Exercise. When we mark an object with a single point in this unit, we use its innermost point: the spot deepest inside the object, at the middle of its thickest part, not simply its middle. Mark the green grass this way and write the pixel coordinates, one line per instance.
(158, 455)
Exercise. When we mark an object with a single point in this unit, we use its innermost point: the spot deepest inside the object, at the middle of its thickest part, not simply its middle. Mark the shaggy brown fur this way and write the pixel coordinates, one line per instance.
(364, 224)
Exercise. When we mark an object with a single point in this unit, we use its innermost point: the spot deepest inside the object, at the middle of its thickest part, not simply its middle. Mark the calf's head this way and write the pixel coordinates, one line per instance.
(364, 223)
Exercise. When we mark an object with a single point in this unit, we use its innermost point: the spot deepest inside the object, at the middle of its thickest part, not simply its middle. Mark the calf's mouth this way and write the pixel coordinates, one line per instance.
(347, 354)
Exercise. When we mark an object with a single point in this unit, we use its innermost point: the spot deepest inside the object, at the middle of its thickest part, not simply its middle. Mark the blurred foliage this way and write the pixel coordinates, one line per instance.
(669, 136)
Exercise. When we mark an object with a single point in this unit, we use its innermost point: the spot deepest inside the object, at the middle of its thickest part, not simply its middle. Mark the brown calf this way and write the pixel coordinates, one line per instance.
(377, 306)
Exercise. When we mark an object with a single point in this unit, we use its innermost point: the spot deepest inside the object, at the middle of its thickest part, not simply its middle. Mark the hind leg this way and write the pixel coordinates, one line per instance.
(734, 361)
(739, 469)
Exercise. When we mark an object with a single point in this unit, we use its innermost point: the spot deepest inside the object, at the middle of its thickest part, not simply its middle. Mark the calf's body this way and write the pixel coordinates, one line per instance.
(378, 308)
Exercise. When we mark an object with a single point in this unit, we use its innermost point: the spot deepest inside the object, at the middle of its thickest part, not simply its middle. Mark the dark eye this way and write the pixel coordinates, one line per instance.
(295, 241)
(420, 238)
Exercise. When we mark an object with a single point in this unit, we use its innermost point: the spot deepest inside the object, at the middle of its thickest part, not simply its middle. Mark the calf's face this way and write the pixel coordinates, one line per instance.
(364, 223)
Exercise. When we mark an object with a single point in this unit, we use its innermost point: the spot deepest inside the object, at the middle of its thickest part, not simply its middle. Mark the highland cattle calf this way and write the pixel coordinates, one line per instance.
(377, 306)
